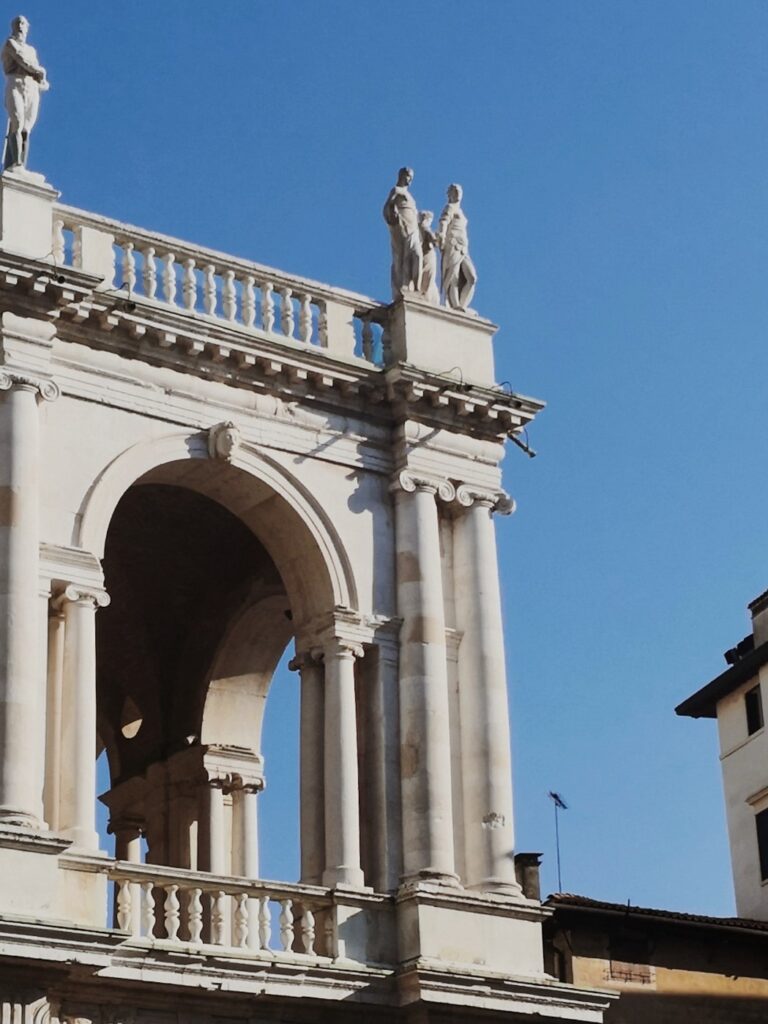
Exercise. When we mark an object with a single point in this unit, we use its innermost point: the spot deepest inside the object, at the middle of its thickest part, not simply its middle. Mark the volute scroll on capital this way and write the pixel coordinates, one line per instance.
(47, 390)
(76, 593)
(409, 482)
(496, 501)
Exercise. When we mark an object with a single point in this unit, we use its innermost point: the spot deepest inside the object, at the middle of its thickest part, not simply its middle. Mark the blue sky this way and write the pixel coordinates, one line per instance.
(613, 159)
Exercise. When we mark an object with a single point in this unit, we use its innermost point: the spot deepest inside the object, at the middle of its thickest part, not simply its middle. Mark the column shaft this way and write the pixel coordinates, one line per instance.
(22, 686)
(342, 809)
(311, 784)
(213, 854)
(424, 722)
(53, 765)
(484, 712)
(245, 822)
(78, 786)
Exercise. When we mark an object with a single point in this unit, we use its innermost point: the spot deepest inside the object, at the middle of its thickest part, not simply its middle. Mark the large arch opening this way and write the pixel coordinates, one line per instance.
(199, 619)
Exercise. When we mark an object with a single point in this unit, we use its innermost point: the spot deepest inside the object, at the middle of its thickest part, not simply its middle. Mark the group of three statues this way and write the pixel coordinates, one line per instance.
(415, 245)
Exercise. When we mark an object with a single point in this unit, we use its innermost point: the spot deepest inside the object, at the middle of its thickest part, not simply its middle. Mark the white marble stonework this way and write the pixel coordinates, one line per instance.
(204, 461)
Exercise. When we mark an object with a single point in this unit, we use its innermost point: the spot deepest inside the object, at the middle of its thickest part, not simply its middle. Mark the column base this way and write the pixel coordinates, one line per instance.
(444, 878)
(497, 885)
(82, 838)
(21, 819)
(352, 877)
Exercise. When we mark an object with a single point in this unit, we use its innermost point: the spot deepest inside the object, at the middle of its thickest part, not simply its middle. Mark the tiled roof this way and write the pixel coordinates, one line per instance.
(570, 900)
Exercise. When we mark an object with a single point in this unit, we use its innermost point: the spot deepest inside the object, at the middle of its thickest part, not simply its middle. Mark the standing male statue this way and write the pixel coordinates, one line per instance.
(402, 218)
(459, 276)
(24, 81)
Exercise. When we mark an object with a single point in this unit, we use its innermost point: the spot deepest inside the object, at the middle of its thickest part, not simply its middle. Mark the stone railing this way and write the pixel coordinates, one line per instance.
(191, 908)
(211, 285)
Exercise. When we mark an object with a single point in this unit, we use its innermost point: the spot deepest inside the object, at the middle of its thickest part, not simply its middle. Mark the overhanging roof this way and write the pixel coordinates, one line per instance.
(703, 703)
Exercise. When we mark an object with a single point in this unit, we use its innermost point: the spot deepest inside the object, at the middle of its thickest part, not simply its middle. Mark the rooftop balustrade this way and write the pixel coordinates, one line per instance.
(211, 286)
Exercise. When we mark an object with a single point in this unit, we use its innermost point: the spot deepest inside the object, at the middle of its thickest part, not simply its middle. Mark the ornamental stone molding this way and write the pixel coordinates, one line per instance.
(496, 501)
(46, 389)
(77, 593)
(409, 481)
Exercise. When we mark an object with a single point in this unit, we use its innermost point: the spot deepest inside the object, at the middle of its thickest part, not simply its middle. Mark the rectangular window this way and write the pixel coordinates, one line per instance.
(753, 704)
(761, 821)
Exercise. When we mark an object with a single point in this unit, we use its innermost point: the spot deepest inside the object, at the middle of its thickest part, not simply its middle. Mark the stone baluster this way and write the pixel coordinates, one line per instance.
(286, 924)
(189, 285)
(129, 268)
(485, 740)
(149, 272)
(77, 249)
(367, 340)
(311, 787)
(218, 918)
(424, 722)
(265, 922)
(240, 930)
(286, 312)
(195, 915)
(228, 295)
(342, 816)
(305, 319)
(22, 679)
(147, 909)
(307, 927)
(209, 289)
(249, 300)
(78, 789)
(322, 325)
(125, 912)
(267, 307)
(172, 915)
(128, 847)
(169, 278)
(59, 248)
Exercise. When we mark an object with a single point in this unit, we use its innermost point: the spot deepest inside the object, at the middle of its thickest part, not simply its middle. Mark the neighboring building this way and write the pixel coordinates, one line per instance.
(203, 460)
(669, 968)
(736, 699)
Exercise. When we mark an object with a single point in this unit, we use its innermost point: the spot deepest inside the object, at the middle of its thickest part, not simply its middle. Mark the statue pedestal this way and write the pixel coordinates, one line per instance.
(440, 339)
(26, 214)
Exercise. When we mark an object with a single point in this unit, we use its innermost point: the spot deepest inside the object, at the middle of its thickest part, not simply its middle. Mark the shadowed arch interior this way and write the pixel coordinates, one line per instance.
(197, 603)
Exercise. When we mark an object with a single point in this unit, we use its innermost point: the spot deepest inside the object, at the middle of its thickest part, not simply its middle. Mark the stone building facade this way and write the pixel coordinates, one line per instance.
(205, 460)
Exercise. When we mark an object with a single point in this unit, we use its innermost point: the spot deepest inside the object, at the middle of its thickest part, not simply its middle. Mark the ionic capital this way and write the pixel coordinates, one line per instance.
(496, 501)
(76, 594)
(408, 481)
(305, 659)
(343, 647)
(44, 387)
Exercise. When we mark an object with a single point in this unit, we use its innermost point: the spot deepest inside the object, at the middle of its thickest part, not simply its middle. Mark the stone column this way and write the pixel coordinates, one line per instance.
(212, 855)
(424, 723)
(384, 824)
(483, 707)
(342, 789)
(22, 683)
(246, 830)
(78, 734)
(53, 765)
(127, 841)
(311, 783)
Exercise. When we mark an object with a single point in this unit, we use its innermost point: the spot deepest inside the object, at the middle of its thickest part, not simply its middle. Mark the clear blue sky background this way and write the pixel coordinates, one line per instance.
(613, 156)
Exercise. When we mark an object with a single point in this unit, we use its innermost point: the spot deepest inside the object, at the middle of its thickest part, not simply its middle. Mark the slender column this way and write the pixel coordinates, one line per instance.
(311, 784)
(342, 808)
(53, 766)
(383, 757)
(22, 683)
(78, 786)
(127, 841)
(424, 718)
(213, 854)
(483, 707)
(246, 829)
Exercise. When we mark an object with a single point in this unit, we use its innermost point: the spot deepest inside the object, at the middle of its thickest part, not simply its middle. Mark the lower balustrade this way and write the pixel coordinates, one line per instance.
(193, 908)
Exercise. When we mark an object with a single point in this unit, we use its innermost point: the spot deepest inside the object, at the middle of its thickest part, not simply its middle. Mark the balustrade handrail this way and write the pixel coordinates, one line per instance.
(74, 217)
(127, 871)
